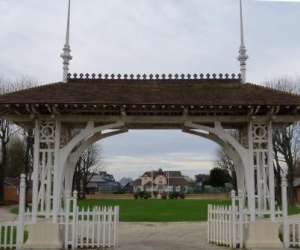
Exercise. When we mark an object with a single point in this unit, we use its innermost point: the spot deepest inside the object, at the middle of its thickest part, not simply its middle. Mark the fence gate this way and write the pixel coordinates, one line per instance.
(226, 223)
(90, 228)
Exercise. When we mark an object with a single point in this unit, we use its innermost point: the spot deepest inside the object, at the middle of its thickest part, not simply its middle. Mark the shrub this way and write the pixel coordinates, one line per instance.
(173, 196)
(142, 195)
(182, 196)
(164, 196)
(146, 196)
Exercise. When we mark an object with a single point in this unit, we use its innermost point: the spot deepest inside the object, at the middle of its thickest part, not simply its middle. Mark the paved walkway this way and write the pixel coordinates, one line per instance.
(6, 215)
(164, 236)
(155, 236)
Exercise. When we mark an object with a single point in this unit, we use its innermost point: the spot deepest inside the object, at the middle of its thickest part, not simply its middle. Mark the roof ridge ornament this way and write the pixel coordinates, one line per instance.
(66, 55)
(243, 57)
(154, 77)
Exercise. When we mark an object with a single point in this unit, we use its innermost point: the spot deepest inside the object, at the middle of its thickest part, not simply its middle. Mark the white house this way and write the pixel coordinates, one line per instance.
(163, 181)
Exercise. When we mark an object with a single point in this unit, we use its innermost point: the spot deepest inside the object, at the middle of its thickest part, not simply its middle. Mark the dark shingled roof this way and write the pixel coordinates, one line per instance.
(166, 91)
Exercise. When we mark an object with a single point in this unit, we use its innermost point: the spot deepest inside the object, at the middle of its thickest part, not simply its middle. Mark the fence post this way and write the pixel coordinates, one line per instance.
(233, 214)
(74, 222)
(67, 219)
(208, 222)
(20, 225)
(241, 217)
(116, 224)
(286, 233)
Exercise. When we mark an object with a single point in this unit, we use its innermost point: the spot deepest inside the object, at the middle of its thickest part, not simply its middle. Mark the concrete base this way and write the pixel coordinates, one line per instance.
(263, 234)
(44, 235)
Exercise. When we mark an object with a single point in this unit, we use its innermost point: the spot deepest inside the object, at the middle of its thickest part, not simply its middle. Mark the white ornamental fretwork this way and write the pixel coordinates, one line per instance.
(45, 146)
(263, 167)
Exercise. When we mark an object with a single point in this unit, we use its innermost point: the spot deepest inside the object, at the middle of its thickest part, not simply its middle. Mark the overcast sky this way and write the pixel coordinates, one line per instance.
(146, 36)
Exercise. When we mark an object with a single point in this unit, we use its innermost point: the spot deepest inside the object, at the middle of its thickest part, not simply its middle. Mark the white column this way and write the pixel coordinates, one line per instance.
(271, 171)
(20, 227)
(57, 180)
(284, 201)
(250, 175)
(35, 174)
(261, 170)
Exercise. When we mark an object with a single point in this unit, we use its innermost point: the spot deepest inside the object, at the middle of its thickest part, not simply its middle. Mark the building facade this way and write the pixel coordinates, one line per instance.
(163, 182)
(104, 183)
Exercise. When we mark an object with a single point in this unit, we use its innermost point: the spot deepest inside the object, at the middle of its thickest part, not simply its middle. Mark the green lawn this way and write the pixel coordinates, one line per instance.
(157, 210)
(160, 210)
(294, 210)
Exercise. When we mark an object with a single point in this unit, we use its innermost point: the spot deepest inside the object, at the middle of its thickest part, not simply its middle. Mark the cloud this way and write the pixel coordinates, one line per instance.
(134, 166)
(166, 36)
(146, 36)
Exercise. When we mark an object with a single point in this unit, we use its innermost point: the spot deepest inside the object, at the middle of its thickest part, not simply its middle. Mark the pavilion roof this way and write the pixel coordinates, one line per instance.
(209, 91)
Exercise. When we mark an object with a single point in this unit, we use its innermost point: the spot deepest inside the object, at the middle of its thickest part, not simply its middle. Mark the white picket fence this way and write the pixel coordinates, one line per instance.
(84, 227)
(12, 232)
(226, 226)
(89, 227)
(294, 234)
(97, 227)
(8, 233)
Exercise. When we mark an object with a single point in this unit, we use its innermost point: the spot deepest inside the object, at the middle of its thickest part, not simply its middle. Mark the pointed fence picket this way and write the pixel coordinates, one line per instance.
(226, 223)
(8, 233)
(226, 226)
(12, 232)
(96, 227)
(87, 227)
(84, 227)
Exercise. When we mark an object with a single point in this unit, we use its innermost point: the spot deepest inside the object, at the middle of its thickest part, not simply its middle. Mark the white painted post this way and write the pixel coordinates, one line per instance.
(75, 220)
(67, 220)
(56, 181)
(271, 171)
(35, 174)
(233, 212)
(20, 226)
(208, 222)
(241, 217)
(251, 179)
(286, 233)
(116, 224)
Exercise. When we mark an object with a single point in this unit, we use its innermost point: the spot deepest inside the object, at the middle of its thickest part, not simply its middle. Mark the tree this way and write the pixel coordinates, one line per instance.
(224, 162)
(286, 142)
(218, 177)
(4, 140)
(7, 129)
(15, 156)
(87, 166)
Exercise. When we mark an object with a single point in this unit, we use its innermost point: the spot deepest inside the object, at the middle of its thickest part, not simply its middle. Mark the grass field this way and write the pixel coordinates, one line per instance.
(157, 210)
(160, 210)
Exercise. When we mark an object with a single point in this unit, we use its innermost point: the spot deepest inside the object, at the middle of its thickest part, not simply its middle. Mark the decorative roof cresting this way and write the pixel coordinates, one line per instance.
(87, 76)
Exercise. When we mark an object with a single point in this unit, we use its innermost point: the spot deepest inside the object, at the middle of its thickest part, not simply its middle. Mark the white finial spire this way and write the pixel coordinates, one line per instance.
(66, 55)
(243, 51)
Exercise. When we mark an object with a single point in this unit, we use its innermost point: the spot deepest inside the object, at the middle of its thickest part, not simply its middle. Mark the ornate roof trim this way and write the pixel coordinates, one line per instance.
(202, 76)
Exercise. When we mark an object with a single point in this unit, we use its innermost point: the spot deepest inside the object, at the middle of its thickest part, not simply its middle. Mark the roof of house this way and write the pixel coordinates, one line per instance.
(155, 173)
(222, 91)
(125, 181)
(137, 182)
